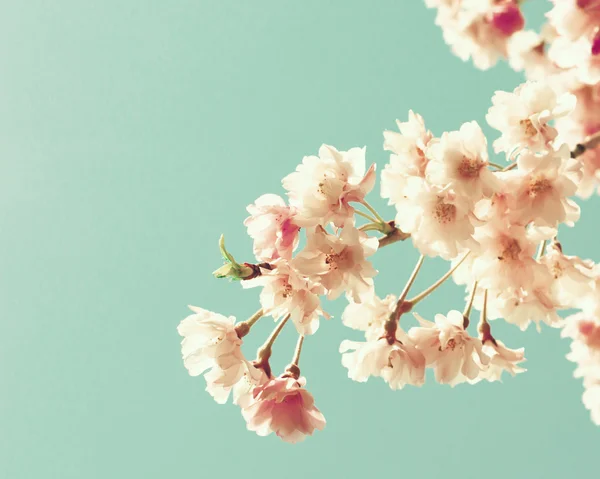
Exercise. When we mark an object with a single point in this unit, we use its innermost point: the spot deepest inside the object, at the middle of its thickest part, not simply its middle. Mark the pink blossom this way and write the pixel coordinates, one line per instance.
(285, 291)
(440, 221)
(408, 156)
(502, 359)
(399, 364)
(339, 263)
(591, 398)
(210, 342)
(322, 188)
(271, 226)
(574, 18)
(448, 348)
(370, 315)
(543, 185)
(479, 29)
(284, 407)
(572, 276)
(459, 160)
(523, 116)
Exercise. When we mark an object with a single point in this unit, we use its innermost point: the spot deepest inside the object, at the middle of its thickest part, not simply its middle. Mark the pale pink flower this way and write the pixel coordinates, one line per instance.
(322, 187)
(505, 258)
(448, 348)
(339, 263)
(523, 116)
(572, 276)
(575, 18)
(440, 221)
(585, 348)
(591, 398)
(285, 291)
(459, 160)
(502, 359)
(543, 185)
(408, 156)
(284, 407)
(525, 305)
(370, 315)
(582, 55)
(210, 342)
(399, 364)
(271, 226)
(526, 51)
(479, 29)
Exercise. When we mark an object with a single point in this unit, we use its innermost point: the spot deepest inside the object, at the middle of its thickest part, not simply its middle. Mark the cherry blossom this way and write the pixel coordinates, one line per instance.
(448, 348)
(480, 29)
(284, 407)
(285, 291)
(408, 156)
(591, 398)
(501, 359)
(441, 222)
(543, 185)
(399, 363)
(271, 226)
(523, 116)
(322, 187)
(459, 160)
(210, 342)
(369, 316)
(339, 263)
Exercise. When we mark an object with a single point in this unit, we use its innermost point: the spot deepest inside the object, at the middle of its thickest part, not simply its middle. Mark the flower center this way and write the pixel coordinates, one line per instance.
(511, 250)
(528, 127)
(338, 260)
(538, 186)
(470, 167)
(444, 212)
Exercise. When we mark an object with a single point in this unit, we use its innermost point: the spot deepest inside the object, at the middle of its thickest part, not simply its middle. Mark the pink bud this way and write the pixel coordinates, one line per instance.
(508, 19)
(596, 43)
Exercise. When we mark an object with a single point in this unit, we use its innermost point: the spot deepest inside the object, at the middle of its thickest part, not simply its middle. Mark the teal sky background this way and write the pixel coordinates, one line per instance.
(132, 134)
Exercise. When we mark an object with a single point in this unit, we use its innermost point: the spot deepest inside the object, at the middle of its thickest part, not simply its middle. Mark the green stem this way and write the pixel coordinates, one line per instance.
(365, 215)
(372, 210)
(438, 283)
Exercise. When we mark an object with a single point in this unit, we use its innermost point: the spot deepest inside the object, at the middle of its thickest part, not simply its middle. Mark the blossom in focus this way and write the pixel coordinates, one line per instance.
(284, 407)
(370, 315)
(572, 276)
(440, 221)
(501, 359)
(271, 226)
(543, 185)
(285, 291)
(523, 116)
(322, 187)
(210, 342)
(408, 156)
(339, 263)
(399, 364)
(449, 349)
(459, 160)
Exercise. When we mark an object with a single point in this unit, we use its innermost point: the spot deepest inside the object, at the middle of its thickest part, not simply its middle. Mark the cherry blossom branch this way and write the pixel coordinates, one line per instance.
(264, 352)
(484, 327)
(393, 237)
(469, 306)
(298, 350)
(438, 283)
(365, 215)
(590, 143)
(372, 210)
(243, 328)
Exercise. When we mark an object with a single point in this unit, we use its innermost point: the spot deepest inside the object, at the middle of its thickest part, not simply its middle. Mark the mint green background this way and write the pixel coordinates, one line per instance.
(131, 135)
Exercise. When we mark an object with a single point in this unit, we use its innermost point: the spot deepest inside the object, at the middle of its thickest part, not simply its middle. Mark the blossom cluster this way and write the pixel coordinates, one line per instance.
(496, 225)
(565, 53)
